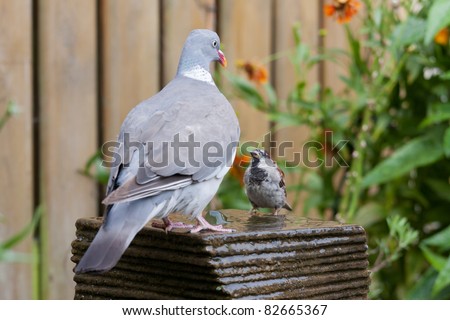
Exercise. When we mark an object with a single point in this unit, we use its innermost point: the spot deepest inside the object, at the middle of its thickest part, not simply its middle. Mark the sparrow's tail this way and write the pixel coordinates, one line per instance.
(121, 225)
(287, 206)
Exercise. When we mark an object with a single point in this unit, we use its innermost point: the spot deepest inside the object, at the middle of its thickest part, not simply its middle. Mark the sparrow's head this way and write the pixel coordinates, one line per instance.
(260, 155)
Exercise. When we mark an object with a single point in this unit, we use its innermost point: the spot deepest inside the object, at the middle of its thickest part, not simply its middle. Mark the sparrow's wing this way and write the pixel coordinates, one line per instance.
(282, 185)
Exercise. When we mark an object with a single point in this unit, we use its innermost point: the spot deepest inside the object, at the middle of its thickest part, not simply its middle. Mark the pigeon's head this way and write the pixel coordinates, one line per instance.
(202, 47)
(206, 43)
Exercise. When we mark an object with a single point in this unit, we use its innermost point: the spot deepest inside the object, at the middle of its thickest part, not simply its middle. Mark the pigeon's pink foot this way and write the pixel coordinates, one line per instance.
(168, 225)
(204, 225)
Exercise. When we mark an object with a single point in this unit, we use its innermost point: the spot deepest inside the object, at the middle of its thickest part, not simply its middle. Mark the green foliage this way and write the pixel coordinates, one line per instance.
(93, 169)
(417, 152)
(394, 110)
(11, 110)
(447, 143)
(245, 90)
(7, 253)
(439, 258)
(439, 17)
(390, 247)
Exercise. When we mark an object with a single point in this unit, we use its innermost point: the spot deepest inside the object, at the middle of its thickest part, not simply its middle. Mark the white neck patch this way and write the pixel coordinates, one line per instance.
(200, 74)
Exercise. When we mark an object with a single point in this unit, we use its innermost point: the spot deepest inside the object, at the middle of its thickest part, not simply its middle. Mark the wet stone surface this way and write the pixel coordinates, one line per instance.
(268, 257)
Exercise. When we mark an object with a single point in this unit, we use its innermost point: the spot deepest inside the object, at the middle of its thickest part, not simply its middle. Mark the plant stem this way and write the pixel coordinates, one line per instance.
(350, 199)
(358, 163)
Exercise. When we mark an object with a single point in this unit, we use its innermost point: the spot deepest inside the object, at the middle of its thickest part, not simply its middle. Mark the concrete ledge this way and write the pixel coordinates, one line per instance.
(269, 257)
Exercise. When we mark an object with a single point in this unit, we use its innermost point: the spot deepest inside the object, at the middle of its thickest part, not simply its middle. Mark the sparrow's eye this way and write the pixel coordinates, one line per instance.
(214, 43)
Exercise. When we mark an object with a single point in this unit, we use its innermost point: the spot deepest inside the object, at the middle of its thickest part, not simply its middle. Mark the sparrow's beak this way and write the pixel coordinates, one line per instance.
(254, 154)
(222, 59)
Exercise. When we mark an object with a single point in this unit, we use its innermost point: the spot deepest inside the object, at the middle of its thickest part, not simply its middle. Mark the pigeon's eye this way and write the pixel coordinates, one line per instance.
(214, 43)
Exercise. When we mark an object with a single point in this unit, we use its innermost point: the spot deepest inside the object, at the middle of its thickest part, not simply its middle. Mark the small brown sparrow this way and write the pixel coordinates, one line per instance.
(264, 183)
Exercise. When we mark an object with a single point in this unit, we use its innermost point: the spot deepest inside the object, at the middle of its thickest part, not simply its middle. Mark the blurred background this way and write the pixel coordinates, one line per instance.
(372, 73)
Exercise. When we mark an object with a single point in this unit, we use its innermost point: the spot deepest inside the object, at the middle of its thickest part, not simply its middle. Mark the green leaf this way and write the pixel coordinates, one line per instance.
(285, 119)
(414, 65)
(301, 53)
(400, 229)
(409, 32)
(447, 143)
(445, 75)
(369, 214)
(422, 289)
(380, 126)
(21, 235)
(417, 152)
(91, 161)
(438, 18)
(378, 17)
(11, 256)
(247, 92)
(440, 188)
(436, 113)
(440, 239)
(443, 278)
(436, 260)
(101, 173)
(296, 32)
(11, 110)
(95, 170)
(272, 96)
(356, 51)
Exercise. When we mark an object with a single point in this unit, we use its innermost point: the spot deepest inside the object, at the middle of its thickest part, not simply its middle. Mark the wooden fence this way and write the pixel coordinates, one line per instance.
(76, 67)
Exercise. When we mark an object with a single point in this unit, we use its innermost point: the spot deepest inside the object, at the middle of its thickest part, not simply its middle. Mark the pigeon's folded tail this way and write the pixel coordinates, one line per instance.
(121, 225)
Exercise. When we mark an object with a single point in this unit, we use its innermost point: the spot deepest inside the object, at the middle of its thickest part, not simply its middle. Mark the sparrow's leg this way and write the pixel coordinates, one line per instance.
(168, 225)
(277, 211)
(204, 225)
(254, 210)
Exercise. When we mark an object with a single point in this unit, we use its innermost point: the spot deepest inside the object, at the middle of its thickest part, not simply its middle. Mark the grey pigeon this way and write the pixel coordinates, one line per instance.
(264, 183)
(188, 120)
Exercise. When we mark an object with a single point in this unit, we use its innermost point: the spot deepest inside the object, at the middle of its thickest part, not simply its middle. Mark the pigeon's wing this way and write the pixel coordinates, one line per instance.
(189, 137)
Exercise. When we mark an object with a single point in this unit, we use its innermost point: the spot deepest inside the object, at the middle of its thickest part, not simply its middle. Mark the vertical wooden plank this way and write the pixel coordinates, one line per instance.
(179, 18)
(16, 152)
(336, 39)
(130, 58)
(245, 31)
(68, 129)
(288, 13)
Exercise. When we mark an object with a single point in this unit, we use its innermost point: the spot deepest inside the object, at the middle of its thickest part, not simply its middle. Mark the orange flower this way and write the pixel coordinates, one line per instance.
(255, 72)
(344, 9)
(442, 37)
(238, 168)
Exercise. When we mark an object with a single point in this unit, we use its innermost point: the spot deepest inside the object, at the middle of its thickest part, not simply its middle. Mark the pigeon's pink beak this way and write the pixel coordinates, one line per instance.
(222, 59)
